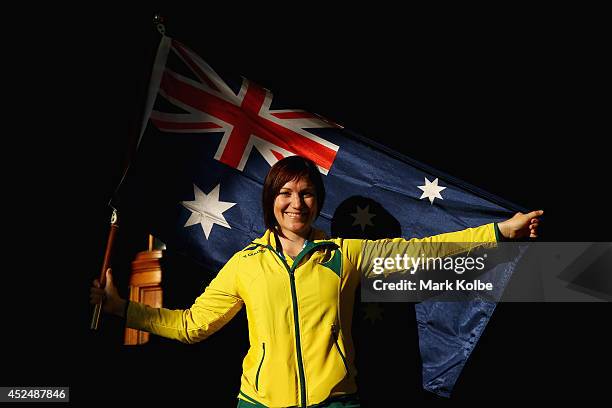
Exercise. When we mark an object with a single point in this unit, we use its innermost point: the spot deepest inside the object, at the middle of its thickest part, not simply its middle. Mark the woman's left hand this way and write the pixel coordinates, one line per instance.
(521, 225)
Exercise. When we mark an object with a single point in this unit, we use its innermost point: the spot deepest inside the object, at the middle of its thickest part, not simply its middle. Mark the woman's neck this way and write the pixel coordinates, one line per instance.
(292, 242)
(294, 237)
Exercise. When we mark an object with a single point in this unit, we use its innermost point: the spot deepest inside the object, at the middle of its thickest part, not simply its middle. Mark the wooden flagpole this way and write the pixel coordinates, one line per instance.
(158, 22)
(114, 226)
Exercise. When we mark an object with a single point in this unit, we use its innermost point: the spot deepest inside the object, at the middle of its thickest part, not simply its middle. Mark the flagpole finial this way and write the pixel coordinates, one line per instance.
(158, 22)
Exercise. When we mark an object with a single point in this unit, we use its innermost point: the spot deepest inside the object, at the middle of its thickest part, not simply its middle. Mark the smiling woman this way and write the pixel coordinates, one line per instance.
(293, 196)
(298, 287)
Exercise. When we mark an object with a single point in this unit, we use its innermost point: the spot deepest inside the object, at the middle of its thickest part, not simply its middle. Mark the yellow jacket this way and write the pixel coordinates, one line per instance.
(299, 311)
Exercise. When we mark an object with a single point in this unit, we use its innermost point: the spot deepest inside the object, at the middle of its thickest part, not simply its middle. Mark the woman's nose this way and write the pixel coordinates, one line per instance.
(296, 201)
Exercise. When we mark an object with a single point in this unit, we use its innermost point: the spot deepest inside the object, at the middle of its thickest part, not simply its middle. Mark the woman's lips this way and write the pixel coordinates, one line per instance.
(295, 215)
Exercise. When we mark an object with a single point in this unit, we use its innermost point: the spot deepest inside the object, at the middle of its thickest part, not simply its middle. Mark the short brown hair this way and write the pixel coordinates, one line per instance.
(285, 170)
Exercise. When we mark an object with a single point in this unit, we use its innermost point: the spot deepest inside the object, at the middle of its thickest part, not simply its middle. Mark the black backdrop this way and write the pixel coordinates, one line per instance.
(515, 109)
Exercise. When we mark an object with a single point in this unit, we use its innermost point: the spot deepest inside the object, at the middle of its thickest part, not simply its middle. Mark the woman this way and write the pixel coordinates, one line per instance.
(298, 288)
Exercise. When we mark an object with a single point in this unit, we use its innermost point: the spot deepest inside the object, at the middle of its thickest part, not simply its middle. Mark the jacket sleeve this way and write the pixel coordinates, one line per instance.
(364, 253)
(211, 310)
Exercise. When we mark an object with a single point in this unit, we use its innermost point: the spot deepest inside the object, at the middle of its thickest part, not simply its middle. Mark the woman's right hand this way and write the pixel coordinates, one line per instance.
(112, 302)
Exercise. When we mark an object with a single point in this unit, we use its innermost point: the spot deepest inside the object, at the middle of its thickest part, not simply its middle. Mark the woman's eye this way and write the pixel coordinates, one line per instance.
(285, 193)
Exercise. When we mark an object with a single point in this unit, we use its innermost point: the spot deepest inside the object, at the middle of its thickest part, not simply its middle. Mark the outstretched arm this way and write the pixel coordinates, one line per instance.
(364, 253)
(211, 310)
(367, 256)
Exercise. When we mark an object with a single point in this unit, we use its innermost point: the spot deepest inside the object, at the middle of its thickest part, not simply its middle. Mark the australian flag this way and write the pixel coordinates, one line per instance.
(209, 139)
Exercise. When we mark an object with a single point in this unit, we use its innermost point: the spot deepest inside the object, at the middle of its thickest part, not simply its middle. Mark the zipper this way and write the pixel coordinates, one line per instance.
(335, 333)
(298, 343)
(296, 321)
(263, 346)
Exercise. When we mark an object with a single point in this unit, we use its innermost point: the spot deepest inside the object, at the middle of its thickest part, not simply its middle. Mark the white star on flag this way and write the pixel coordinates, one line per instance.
(207, 210)
(431, 190)
(363, 217)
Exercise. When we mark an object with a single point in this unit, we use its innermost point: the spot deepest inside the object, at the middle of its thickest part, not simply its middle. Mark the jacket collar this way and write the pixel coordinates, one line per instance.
(268, 237)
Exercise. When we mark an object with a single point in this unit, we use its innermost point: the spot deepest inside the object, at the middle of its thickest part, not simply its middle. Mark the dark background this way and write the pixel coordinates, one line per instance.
(515, 107)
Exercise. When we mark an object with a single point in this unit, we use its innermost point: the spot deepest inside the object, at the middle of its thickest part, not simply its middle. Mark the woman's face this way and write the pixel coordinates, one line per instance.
(295, 206)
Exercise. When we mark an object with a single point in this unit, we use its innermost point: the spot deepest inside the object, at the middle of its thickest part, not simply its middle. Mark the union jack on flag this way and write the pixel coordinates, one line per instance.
(245, 117)
(207, 142)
